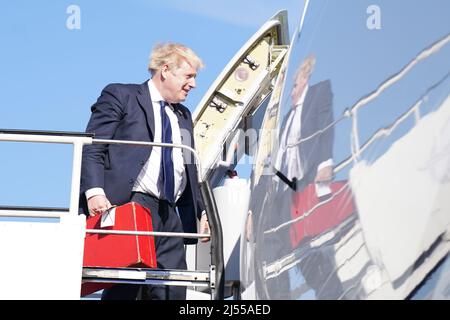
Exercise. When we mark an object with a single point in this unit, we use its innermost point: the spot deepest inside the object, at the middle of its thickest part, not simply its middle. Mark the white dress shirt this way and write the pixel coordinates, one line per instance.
(147, 180)
(292, 166)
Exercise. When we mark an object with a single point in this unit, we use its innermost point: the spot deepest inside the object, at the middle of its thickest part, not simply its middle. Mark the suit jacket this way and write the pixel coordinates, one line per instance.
(316, 114)
(124, 112)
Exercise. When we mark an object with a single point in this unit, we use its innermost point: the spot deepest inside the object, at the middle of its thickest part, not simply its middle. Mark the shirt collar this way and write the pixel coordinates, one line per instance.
(156, 96)
(302, 97)
(154, 93)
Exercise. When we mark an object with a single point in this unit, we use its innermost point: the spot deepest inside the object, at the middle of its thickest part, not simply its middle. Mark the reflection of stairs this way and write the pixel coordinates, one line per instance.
(331, 264)
(403, 201)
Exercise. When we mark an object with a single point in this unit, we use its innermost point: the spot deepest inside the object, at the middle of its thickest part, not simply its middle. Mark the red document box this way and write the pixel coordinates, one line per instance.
(334, 209)
(109, 250)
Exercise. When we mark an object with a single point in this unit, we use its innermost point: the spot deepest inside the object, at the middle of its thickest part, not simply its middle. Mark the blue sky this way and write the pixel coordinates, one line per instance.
(50, 75)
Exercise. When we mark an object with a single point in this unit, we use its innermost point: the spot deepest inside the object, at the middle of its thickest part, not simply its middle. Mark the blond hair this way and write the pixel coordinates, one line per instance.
(307, 67)
(172, 54)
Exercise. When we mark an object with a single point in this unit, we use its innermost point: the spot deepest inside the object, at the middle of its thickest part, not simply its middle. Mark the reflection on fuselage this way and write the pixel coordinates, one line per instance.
(307, 233)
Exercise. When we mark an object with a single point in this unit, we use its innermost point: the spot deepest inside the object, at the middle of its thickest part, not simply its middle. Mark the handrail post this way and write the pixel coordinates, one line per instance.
(76, 176)
(355, 146)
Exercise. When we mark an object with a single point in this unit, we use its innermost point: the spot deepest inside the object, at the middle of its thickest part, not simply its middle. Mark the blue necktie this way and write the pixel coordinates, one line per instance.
(166, 170)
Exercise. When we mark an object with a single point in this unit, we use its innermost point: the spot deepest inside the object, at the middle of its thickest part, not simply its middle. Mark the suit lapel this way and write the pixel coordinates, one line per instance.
(145, 102)
(187, 139)
(309, 105)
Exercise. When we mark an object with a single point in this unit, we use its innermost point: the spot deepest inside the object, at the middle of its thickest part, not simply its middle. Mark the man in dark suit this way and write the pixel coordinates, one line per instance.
(306, 146)
(304, 153)
(161, 179)
(306, 142)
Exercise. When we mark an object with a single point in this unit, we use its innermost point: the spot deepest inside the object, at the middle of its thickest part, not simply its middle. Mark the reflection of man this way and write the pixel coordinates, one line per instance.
(305, 153)
(308, 119)
(157, 178)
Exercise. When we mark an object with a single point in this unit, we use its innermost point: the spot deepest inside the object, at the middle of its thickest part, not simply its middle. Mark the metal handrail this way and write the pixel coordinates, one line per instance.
(155, 144)
(150, 233)
(387, 130)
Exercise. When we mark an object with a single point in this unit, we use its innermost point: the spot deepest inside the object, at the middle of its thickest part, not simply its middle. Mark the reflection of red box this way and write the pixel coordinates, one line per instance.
(333, 209)
(109, 250)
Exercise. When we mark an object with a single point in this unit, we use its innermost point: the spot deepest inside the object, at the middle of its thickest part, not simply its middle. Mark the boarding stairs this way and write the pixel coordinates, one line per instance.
(42, 248)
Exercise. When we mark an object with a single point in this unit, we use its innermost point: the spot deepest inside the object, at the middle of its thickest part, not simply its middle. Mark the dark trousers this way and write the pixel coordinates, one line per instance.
(169, 254)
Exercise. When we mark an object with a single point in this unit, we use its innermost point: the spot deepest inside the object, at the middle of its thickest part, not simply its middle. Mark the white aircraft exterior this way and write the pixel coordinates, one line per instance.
(380, 86)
